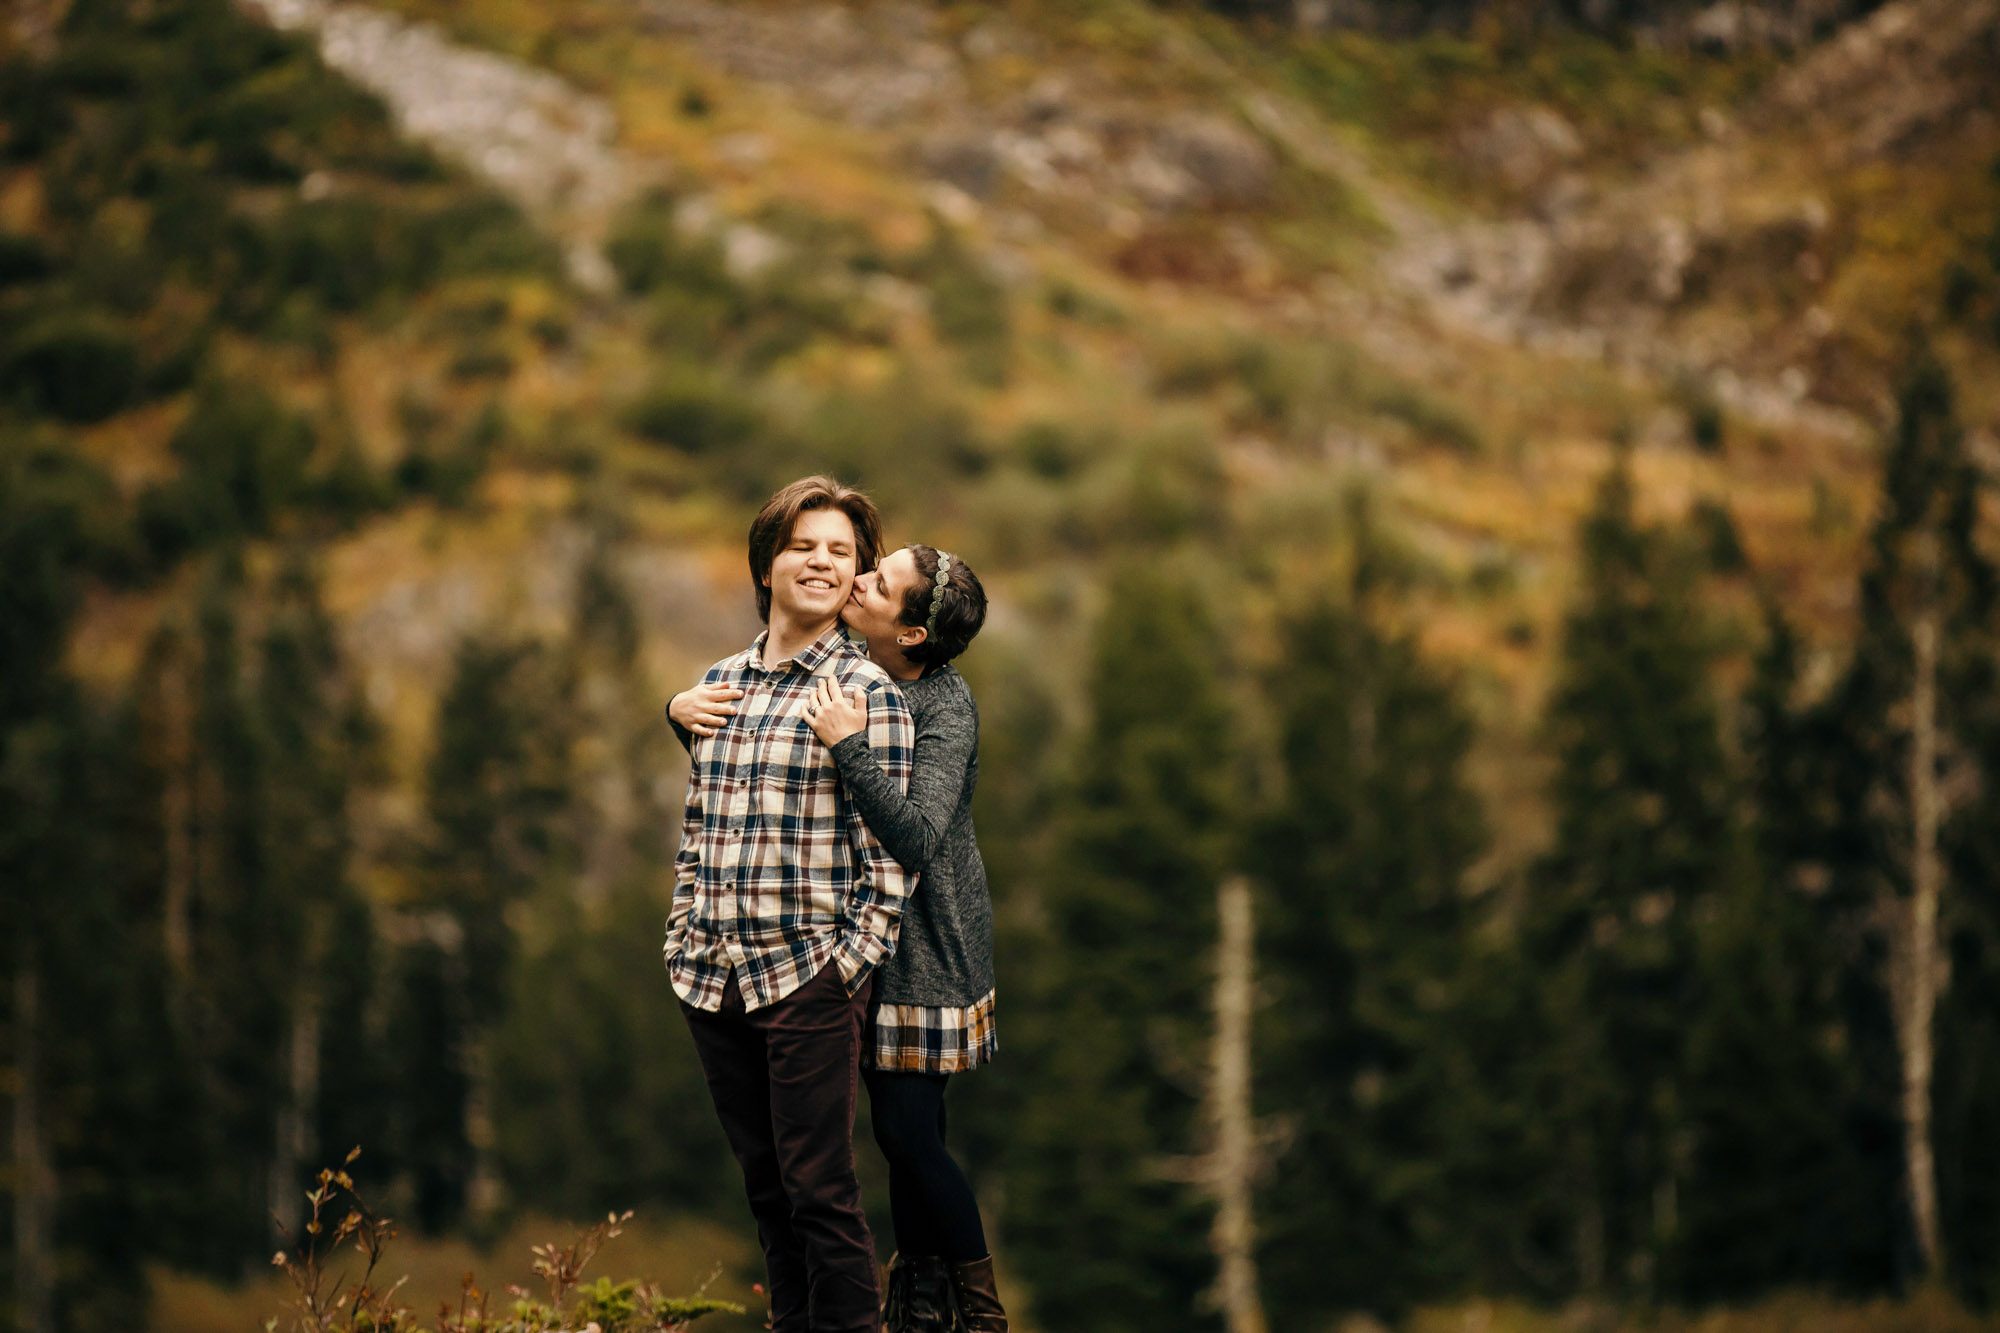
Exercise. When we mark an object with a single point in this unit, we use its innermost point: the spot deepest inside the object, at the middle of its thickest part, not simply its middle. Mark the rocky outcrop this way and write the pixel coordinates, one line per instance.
(550, 147)
(1523, 147)
(1910, 70)
(1706, 264)
(879, 66)
(1715, 25)
(894, 67)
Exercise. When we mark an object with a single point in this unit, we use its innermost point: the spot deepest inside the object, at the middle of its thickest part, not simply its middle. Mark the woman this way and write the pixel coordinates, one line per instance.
(934, 998)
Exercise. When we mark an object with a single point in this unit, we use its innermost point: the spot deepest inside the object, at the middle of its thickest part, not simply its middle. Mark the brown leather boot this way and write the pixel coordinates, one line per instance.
(978, 1302)
(919, 1295)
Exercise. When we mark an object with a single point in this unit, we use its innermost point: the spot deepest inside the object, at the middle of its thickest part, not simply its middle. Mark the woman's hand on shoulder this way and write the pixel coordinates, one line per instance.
(704, 709)
(834, 717)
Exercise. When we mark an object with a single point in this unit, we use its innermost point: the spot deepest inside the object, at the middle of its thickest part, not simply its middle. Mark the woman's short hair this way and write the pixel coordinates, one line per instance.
(772, 528)
(960, 612)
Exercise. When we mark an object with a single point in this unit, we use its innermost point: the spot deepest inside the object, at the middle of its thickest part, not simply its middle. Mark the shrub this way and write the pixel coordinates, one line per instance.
(348, 489)
(1705, 421)
(970, 311)
(448, 472)
(1066, 300)
(648, 252)
(1263, 381)
(58, 512)
(694, 411)
(339, 249)
(480, 235)
(694, 322)
(1431, 417)
(1175, 489)
(899, 442)
(1049, 449)
(1715, 529)
(78, 365)
(325, 1302)
(22, 259)
(243, 459)
(482, 359)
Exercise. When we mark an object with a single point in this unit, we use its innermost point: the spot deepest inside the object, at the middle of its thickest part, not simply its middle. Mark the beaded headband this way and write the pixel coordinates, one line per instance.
(937, 593)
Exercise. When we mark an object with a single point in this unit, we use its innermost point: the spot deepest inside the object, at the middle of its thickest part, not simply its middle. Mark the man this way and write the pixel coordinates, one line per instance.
(785, 903)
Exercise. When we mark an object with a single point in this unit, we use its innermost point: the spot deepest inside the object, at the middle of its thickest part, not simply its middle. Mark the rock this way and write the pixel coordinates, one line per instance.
(550, 147)
(952, 204)
(748, 251)
(1162, 184)
(884, 65)
(1228, 165)
(966, 159)
(1048, 100)
(992, 38)
(1912, 68)
(746, 151)
(1522, 146)
(1566, 197)
(1722, 29)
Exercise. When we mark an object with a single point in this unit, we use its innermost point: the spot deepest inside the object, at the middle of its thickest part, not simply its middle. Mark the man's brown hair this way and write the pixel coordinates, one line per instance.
(772, 528)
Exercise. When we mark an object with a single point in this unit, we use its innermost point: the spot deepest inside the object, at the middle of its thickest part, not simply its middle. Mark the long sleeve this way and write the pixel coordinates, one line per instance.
(912, 825)
(687, 860)
(883, 883)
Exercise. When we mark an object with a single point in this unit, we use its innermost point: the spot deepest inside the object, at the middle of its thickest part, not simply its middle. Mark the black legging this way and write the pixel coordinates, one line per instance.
(930, 1200)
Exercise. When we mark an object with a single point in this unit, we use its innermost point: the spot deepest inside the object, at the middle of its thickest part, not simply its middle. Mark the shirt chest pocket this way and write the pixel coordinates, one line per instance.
(797, 778)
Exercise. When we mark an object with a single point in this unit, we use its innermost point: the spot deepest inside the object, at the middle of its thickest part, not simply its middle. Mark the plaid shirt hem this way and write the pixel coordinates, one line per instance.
(928, 1039)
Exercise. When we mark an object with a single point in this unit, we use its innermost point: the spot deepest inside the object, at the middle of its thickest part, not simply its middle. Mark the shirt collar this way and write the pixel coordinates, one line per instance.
(806, 659)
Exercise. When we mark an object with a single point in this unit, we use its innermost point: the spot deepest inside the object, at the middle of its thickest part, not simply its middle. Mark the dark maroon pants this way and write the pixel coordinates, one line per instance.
(783, 1081)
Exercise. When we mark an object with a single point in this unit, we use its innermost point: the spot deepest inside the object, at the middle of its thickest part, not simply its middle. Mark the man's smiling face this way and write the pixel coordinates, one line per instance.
(812, 573)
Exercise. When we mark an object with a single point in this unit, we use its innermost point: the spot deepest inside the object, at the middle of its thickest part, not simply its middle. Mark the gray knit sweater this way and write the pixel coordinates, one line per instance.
(945, 955)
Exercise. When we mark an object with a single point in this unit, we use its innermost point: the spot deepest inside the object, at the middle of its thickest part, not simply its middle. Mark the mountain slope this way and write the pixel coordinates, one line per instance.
(1058, 282)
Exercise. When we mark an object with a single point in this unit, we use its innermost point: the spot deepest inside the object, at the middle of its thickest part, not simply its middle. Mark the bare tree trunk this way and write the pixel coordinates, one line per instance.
(33, 1184)
(1590, 1259)
(482, 1192)
(176, 819)
(293, 1141)
(1919, 977)
(1234, 1161)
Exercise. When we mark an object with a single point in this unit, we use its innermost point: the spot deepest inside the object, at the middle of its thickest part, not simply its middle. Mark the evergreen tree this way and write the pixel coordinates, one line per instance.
(1363, 861)
(498, 800)
(1100, 1208)
(599, 1100)
(1785, 1185)
(313, 731)
(243, 940)
(1645, 840)
(1911, 852)
(89, 1066)
(1022, 744)
(627, 807)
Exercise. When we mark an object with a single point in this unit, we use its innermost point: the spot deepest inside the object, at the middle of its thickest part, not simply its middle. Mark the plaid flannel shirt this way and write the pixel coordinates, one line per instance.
(777, 873)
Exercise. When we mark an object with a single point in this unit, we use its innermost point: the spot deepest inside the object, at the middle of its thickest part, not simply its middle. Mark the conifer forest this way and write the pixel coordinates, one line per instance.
(1491, 510)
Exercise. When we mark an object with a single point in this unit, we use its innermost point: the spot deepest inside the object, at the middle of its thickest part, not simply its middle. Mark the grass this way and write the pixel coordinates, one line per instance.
(1792, 1312)
(678, 1254)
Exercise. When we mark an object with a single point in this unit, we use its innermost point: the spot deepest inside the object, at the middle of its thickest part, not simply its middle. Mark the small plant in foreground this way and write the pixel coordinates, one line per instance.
(328, 1303)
